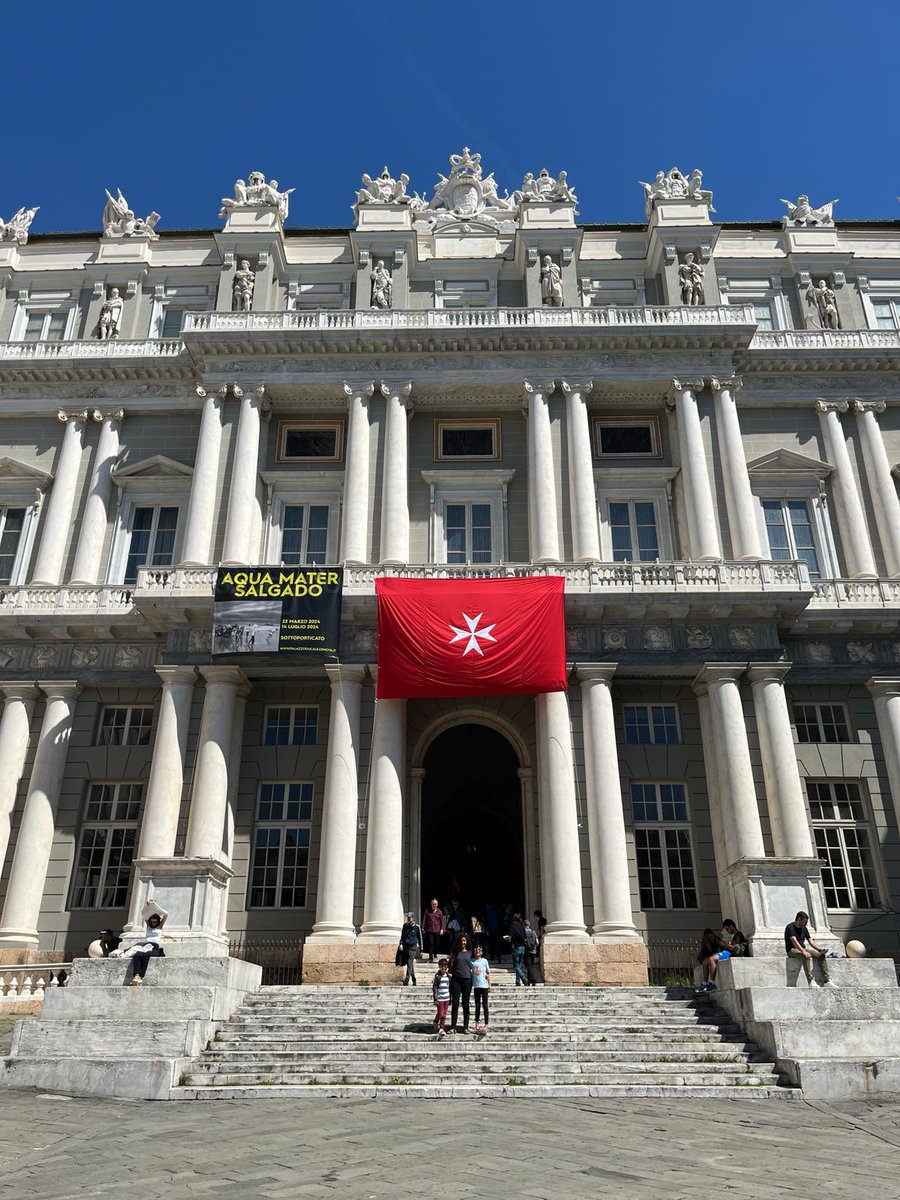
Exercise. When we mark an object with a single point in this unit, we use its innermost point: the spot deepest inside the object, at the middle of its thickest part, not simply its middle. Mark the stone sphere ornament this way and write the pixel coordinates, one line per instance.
(855, 950)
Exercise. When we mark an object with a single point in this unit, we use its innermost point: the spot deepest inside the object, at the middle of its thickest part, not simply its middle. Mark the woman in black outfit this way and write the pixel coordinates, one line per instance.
(460, 983)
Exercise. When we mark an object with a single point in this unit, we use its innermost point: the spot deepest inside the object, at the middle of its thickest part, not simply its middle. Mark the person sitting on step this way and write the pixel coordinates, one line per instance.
(713, 950)
(799, 944)
(150, 947)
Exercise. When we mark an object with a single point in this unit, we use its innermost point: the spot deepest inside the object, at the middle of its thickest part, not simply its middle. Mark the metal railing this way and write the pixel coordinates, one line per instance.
(671, 961)
(280, 958)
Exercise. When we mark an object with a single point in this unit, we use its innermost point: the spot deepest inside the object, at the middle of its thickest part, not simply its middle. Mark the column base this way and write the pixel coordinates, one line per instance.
(380, 931)
(350, 962)
(565, 931)
(769, 892)
(194, 892)
(603, 964)
(331, 932)
(615, 931)
(24, 939)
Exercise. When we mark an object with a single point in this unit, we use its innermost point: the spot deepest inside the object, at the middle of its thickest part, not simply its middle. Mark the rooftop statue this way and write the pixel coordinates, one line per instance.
(256, 193)
(119, 220)
(16, 228)
(676, 186)
(383, 189)
(468, 194)
(803, 214)
(545, 187)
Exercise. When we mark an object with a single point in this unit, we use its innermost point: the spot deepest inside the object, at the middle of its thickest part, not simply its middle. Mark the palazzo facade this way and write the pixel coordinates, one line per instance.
(696, 424)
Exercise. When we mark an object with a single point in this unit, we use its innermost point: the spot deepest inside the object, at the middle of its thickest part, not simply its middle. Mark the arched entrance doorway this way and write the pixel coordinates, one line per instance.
(472, 837)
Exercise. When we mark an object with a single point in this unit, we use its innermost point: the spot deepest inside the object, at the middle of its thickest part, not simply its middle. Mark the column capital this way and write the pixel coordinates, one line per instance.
(774, 671)
(116, 417)
(595, 672)
(832, 406)
(884, 685)
(21, 690)
(538, 387)
(689, 387)
(64, 415)
(59, 689)
(869, 406)
(401, 390)
(216, 396)
(717, 673)
(220, 674)
(173, 674)
(351, 672)
(582, 387)
(725, 385)
(417, 773)
(358, 391)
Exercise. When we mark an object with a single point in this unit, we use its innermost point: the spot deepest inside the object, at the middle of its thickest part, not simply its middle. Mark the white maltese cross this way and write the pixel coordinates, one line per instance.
(472, 633)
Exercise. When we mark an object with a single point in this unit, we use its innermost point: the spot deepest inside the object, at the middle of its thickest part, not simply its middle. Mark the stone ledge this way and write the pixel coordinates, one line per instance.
(350, 962)
(604, 964)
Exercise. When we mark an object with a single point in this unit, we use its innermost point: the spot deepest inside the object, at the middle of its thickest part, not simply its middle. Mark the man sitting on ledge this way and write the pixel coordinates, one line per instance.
(798, 944)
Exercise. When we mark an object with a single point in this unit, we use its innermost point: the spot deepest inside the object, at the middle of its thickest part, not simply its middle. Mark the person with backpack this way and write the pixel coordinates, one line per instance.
(410, 944)
(517, 940)
(532, 950)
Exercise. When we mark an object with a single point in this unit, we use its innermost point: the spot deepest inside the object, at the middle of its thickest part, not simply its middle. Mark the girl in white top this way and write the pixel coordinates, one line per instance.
(142, 952)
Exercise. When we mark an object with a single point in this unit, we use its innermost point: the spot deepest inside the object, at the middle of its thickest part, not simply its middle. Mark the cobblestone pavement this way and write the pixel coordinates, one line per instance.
(448, 1150)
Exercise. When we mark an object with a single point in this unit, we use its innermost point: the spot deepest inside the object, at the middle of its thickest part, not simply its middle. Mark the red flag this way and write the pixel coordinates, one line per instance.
(470, 637)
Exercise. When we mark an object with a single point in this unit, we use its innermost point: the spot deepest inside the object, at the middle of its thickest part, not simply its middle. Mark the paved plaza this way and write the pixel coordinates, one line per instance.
(448, 1150)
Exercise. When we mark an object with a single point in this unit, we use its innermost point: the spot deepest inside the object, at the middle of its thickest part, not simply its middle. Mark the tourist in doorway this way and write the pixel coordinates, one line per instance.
(532, 949)
(433, 927)
(456, 922)
(410, 945)
(460, 983)
(799, 944)
(446, 938)
(481, 985)
(440, 989)
(517, 941)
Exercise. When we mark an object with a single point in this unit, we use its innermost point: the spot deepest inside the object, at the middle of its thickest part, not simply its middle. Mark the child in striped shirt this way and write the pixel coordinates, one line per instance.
(441, 990)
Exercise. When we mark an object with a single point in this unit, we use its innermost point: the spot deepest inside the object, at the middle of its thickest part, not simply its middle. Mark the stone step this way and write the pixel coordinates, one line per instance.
(469, 1065)
(485, 1050)
(699, 1045)
(487, 1091)
(676, 1078)
(546, 1029)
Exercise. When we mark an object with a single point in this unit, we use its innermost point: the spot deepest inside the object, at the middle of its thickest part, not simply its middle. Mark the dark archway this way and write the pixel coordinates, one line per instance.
(472, 838)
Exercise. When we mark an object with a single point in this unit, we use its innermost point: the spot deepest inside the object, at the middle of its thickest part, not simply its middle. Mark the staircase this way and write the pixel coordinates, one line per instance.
(561, 1041)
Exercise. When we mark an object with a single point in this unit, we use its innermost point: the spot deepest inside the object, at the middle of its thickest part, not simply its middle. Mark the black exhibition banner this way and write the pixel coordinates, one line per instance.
(277, 610)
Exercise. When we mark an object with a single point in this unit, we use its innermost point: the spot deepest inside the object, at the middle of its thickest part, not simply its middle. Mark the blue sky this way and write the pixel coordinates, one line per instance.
(172, 102)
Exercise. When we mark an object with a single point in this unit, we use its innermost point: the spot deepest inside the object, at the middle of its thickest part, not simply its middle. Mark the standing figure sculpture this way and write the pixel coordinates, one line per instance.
(16, 228)
(242, 287)
(551, 283)
(382, 287)
(690, 276)
(110, 317)
(826, 305)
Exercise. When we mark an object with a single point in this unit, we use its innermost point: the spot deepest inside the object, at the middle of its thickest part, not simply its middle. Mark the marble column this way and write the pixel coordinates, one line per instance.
(15, 734)
(700, 508)
(791, 837)
(238, 548)
(561, 890)
(613, 918)
(740, 810)
(209, 800)
(851, 518)
(543, 526)
(162, 801)
(355, 520)
(95, 518)
(739, 501)
(582, 493)
(383, 905)
(28, 874)
(885, 692)
(394, 492)
(882, 487)
(235, 758)
(723, 851)
(56, 525)
(340, 809)
(197, 547)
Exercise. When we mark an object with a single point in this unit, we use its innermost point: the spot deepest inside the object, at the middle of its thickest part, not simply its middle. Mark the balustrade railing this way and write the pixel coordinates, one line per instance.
(880, 593)
(42, 600)
(826, 339)
(91, 348)
(29, 982)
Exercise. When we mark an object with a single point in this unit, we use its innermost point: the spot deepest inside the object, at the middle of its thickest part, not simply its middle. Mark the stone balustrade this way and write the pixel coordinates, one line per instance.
(90, 348)
(103, 600)
(827, 339)
(30, 981)
(856, 593)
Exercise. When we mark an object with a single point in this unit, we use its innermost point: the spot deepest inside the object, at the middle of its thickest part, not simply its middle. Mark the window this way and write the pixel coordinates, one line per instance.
(172, 321)
(841, 836)
(613, 435)
(651, 724)
(125, 725)
(301, 441)
(467, 528)
(12, 523)
(291, 726)
(662, 839)
(763, 315)
(887, 313)
(280, 866)
(304, 534)
(45, 326)
(466, 439)
(632, 527)
(465, 293)
(789, 528)
(821, 723)
(152, 542)
(105, 852)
